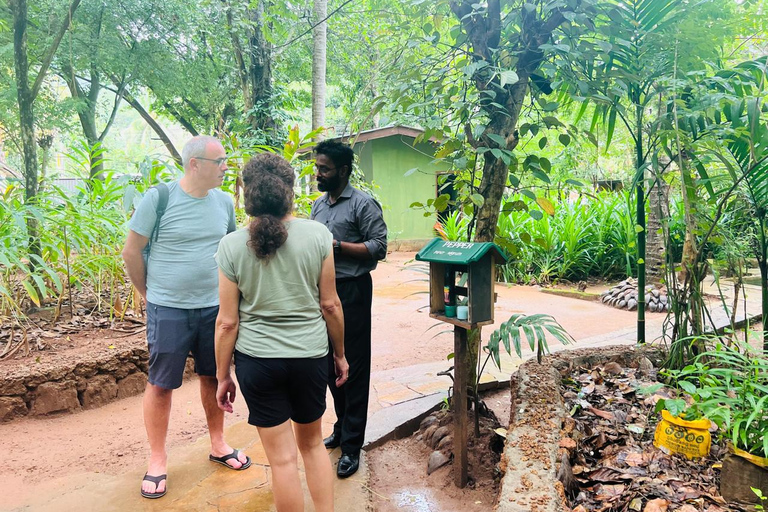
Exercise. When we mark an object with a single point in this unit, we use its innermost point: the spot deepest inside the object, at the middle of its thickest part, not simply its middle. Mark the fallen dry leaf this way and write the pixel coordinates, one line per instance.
(610, 492)
(634, 459)
(606, 475)
(656, 505)
(602, 414)
(615, 454)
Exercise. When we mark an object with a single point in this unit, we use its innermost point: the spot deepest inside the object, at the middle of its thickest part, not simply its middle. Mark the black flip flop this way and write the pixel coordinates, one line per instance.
(224, 458)
(155, 480)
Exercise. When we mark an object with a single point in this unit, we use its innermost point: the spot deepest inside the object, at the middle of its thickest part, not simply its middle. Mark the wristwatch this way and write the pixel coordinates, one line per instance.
(337, 247)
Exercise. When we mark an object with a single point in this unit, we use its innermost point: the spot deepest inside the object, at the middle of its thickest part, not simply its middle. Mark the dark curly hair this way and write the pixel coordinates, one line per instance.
(268, 184)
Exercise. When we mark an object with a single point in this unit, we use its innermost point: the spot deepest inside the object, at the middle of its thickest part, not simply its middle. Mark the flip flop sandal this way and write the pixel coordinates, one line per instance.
(155, 480)
(234, 455)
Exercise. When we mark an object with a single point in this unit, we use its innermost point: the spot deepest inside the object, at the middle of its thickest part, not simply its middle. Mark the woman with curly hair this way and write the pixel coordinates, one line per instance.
(278, 307)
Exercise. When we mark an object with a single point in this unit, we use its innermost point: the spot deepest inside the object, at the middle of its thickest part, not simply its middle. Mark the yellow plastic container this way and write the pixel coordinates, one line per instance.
(691, 438)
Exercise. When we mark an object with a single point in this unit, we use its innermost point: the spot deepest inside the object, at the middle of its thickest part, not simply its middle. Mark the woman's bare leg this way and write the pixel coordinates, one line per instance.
(317, 464)
(280, 448)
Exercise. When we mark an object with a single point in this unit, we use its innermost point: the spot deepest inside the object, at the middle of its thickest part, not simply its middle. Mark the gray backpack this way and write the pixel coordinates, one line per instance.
(162, 203)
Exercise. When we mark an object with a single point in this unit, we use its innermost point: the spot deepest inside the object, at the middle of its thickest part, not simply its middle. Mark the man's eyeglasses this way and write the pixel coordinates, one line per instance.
(323, 169)
(217, 161)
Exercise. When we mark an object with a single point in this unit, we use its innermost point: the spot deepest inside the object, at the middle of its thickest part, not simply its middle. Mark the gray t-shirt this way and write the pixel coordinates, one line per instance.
(181, 270)
(354, 217)
(280, 314)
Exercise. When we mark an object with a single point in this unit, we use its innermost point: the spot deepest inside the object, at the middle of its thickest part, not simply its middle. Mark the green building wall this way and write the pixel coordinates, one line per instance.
(384, 162)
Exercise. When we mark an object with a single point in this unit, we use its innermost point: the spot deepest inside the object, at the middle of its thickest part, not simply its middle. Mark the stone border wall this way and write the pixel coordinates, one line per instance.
(532, 451)
(69, 388)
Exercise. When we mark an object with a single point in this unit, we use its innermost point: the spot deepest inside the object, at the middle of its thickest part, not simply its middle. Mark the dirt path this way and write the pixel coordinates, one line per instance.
(39, 452)
(41, 455)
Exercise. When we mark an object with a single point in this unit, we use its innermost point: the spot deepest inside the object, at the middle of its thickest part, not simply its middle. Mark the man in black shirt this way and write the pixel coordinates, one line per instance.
(359, 241)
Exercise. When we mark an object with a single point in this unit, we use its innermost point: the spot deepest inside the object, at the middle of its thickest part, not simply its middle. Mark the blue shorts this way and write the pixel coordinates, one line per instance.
(279, 389)
(172, 334)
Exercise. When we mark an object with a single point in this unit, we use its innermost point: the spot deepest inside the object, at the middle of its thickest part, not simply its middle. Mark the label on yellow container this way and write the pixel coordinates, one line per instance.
(691, 438)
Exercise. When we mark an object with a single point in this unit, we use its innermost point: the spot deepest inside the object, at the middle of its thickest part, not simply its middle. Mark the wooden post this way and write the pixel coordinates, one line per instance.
(460, 406)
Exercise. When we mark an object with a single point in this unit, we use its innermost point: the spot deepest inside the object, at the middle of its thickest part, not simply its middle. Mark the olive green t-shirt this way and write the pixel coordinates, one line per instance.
(280, 314)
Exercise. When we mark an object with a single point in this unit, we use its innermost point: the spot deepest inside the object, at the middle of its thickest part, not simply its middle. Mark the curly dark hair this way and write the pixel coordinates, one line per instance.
(268, 184)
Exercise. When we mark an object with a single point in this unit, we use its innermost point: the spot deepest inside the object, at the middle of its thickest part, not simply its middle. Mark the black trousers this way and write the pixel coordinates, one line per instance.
(351, 399)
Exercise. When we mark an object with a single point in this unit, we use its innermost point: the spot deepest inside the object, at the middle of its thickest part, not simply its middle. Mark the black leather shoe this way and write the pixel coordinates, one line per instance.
(332, 441)
(348, 465)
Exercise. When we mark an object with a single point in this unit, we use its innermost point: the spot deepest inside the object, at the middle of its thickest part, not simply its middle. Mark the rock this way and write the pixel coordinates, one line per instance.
(133, 384)
(622, 303)
(54, 397)
(426, 422)
(445, 444)
(631, 304)
(655, 292)
(644, 366)
(13, 387)
(12, 407)
(438, 435)
(86, 369)
(428, 434)
(124, 369)
(80, 384)
(436, 461)
(612, 368)
(101, 390)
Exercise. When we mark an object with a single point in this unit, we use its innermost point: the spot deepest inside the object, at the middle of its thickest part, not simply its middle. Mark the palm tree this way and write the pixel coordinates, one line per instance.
(747, 145)
(634, 57)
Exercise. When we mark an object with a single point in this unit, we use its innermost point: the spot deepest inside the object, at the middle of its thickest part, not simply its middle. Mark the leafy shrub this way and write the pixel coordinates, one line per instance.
(728, 385)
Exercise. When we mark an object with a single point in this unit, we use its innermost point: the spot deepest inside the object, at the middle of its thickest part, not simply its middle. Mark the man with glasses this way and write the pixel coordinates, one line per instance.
(179, 284)
(359, 241)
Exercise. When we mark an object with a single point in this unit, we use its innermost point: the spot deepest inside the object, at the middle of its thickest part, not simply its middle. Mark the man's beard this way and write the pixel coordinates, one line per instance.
(327, 184)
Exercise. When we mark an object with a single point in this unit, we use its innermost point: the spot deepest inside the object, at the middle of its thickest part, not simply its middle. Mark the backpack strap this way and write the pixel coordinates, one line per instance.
(162, 204)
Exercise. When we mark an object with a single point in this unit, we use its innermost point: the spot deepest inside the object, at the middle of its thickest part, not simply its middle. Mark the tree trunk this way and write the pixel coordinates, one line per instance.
(86, 111)
(242, 70)
(26, 116)
(45, 142)
(154, 125)
(483, 29)
(260, 76)
(26, 99)
(318, 65)
(658, 197)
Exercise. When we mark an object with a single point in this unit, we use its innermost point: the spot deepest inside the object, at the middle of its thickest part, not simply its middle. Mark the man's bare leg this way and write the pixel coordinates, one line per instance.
(215, 418)
(157, 412)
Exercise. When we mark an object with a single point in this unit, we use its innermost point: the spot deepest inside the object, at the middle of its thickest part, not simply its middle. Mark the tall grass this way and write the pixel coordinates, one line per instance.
(81, 234)
(590, 236)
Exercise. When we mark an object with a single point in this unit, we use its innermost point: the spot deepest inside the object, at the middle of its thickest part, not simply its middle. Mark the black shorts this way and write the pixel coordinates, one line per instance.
(278, 389)
(172, 334)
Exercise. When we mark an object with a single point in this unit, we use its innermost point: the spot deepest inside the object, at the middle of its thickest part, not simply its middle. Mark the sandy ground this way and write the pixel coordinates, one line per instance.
(37, 453)
(43, 454)
(400, 482)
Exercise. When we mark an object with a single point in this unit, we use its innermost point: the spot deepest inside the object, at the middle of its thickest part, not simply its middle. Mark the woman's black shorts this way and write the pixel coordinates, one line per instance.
(277, 389)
